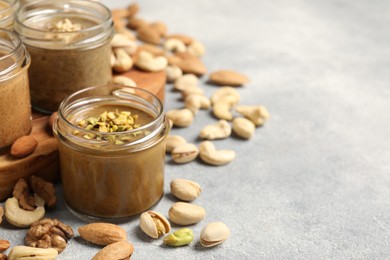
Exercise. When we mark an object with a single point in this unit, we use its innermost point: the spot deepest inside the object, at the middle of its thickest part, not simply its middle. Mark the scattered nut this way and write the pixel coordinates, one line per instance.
(44, 189)
(122, 80)
(4, 245)
(149, 34)
(146, 61)
(160, 27)
(102, 233)
(23, 146)
(134, 23)
(210, 155)
(243, 127)
(173, 73)
(152, 49)
(173, 141)
(180, 117)
(115, 251)
(192, 90)
(182, 213)
(186, 81)
(132, 9)
(49, 233)
(220, 130)
(19, 217)
(154, 224)
(188, 63)
(228, 78)
(196, 48)
(257, 114)
(184, 38)
(185, 153)
(181, 237)
(174, 45)
(213, 234)
(195, 102)
(123, 61)
(32, 253)
(224, 92)
(123, 41)
(222, 108)
(23, 194)
(185, 189)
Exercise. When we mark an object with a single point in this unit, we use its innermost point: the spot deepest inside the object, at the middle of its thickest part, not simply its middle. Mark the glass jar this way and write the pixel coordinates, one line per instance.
(7, 8)
(69, 44)
(15, 115)
(111, 174)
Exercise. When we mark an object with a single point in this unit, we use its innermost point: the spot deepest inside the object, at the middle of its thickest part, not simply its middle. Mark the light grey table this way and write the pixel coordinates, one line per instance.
(314, 182)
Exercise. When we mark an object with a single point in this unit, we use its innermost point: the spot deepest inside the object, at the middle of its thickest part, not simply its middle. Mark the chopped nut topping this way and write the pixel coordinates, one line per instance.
(65, 25)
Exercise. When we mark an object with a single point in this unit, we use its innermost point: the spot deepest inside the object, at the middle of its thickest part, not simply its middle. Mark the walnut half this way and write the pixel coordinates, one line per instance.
(49, 233)
(23, 194)
(44, 189)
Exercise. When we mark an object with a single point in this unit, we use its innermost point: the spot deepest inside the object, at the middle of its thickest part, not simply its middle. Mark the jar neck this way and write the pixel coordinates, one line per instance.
(34, 23)
(7, 9)
(13, 55)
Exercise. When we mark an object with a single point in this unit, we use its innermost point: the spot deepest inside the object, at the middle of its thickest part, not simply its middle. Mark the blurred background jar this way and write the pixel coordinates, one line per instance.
(7, 9)
(69, 44)
(15, 108)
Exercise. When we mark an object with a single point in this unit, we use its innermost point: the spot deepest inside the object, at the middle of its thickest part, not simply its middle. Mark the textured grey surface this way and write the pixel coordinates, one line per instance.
(314, 182)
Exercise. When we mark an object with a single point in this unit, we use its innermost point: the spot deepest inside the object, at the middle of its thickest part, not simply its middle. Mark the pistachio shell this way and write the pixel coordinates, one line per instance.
(213, 234)
(182, 213)
(154, 224)
(185, 189)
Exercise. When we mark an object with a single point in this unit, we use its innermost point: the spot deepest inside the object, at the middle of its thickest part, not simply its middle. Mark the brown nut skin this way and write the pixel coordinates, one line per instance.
(102, 233)
(23, 146)
(115, 251)
(23, 194)
(44, 189)
(4, 245)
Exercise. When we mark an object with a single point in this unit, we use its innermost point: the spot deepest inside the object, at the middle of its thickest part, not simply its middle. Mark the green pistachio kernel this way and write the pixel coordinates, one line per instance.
(180, 237)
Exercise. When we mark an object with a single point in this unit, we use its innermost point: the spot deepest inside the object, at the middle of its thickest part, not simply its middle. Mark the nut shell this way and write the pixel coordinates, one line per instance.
(213, 234)
(182, 213)
(154, 224)
(185, 189)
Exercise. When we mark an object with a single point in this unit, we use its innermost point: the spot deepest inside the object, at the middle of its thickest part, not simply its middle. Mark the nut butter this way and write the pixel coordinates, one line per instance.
(7, 8)
(112, 150)
(69, 44)
(15, 116)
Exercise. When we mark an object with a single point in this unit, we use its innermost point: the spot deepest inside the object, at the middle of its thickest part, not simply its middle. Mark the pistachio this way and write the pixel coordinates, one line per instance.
(210, 155)
(220, 130)
(180, 117)
(257, 114)
(185, 189)
(186, 81)
(154, 224)
(180, 237)
(147, 62)
(173, 141)
(213, 234)
(123, 80)
(185, 153)
(243, 127)
(182, 213)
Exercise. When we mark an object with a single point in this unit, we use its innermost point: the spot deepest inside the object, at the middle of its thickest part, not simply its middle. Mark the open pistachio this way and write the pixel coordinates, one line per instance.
(185, 189)
(182, 213)
(180, 237)
(154, 224)
(213, 234)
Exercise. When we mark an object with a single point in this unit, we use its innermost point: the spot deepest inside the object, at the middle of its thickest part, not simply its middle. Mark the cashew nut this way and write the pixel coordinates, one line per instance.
(222, 107)
(220, 130)
(210, 155)
(173, 73)
(123, 60)
(257, 114)
(173, 141)
(122, 80)
(174, 45)
(243, 127)
(185, 153)
(195, 102)
(32, 253)
(222, 92)
(180, 117)
(123, 42)
(19, 217)
(196, 48)
(147, 62)
(186, 81)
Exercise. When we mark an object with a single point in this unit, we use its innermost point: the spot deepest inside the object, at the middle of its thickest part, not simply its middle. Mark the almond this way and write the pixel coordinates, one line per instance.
(115, 251)
(102, 233)
(132, 9)
(160, 27)
(228, 78)
(184, 38)
(148, 34)
(134, 23)
(24, 146)
(4, 245)
(188, 63)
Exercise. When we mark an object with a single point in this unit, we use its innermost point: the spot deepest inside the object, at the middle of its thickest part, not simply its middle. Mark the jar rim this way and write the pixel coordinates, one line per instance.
(12, 5)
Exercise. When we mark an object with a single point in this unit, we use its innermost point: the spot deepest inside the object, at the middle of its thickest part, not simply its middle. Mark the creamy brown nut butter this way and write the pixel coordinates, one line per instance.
(112, 151)
(15, 116)
(69, 44)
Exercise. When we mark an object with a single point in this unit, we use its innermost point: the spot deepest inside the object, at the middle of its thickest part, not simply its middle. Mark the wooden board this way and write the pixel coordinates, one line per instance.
(44, 161)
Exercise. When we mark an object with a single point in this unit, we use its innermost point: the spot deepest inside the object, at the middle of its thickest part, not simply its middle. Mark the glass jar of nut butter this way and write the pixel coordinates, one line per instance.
(69, 44)
(112, 151)
(7, 9)
(15, 108)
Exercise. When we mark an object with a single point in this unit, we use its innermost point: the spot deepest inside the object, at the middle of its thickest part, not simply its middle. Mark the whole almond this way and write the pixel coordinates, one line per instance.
(24, 146)
(102, 233)
(148, 34)
(134, 23)
(228, 78)
(187, 40)
(115, 251)
(188, 63)
(4, 245)
(160, 27)
(132, 9)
